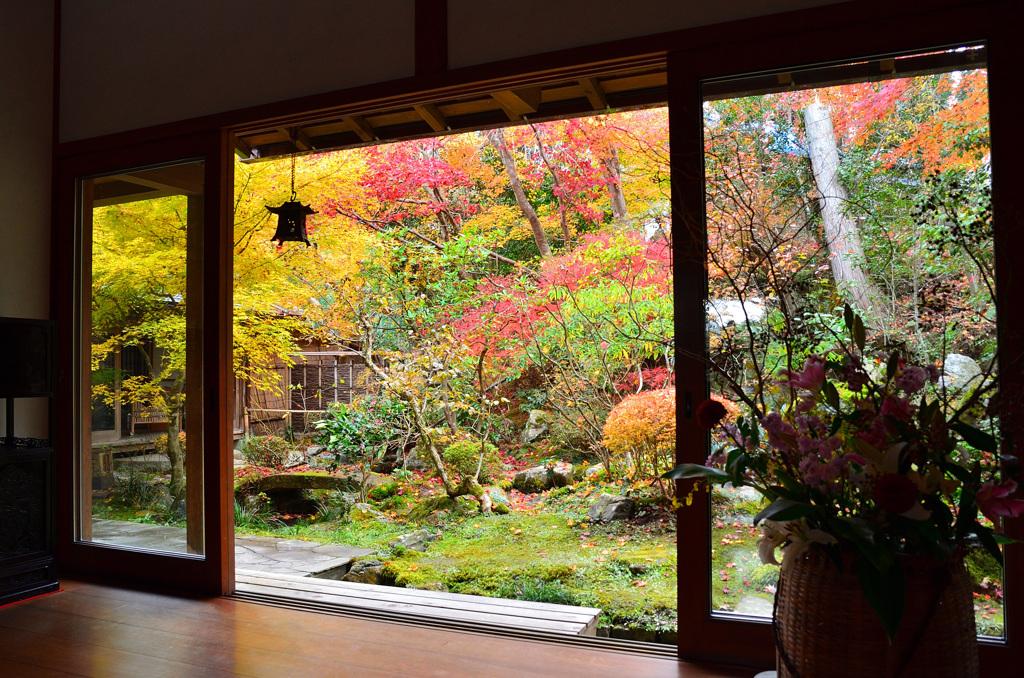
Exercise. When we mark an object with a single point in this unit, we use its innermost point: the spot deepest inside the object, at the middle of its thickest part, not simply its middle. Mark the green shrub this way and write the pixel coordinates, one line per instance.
(133, 489)
(764, 576)
(464, 456)
(268, 451)
(382, 492)
(538, 591)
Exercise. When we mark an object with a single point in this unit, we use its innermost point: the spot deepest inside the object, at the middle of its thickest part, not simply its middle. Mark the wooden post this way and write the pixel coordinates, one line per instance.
(85, 453)
(194, 373)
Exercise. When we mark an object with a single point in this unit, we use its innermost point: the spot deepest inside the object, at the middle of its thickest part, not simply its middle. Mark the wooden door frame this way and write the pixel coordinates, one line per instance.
(209, 360)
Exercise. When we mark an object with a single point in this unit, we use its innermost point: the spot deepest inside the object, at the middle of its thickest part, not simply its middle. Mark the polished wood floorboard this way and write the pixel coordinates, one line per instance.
(95, 630)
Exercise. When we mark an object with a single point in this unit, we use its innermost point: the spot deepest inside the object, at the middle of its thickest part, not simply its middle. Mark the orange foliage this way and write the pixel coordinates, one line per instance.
(643, 428)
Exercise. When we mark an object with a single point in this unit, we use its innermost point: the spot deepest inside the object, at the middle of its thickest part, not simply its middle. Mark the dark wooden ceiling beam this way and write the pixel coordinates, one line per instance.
(433, 117)
(595, 93)
(362, 128)
(300, 140)
(521, 102)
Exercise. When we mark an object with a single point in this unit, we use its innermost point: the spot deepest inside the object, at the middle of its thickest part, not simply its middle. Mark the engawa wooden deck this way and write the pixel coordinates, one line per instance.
(493, 612)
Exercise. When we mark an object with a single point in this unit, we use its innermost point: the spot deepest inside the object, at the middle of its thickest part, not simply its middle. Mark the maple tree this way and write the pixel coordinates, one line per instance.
(913, 163)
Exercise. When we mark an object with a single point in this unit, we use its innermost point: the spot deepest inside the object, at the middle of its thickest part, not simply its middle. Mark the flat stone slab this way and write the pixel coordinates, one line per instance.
(262, 554)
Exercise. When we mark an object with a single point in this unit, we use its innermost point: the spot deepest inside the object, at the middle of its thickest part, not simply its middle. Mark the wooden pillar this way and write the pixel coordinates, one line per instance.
(194, 374)
(85, 454)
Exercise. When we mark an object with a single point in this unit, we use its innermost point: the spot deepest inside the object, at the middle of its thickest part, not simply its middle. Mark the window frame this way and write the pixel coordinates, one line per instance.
(778, 42)
(704, 636)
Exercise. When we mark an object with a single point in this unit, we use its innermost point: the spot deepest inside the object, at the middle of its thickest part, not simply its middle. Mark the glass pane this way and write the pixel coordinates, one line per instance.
(874, 195)
(139, 487)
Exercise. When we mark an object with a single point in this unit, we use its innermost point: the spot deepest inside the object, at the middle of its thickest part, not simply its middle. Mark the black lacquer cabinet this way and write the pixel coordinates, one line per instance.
(26, 459)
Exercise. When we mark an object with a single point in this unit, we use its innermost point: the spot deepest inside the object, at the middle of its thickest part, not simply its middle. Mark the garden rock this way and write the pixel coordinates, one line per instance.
(367, 572)
(540, 478)
(295, 459)
(609, 507)
(593, 471)
(497, 495)
(305, 481)
(535, 427)
(364, 512)
(959, 371)
(415, 541)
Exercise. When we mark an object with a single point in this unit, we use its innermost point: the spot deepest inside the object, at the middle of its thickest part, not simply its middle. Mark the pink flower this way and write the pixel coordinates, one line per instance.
(812, 377)
(911, 379)
(897, 408)
(995, 501)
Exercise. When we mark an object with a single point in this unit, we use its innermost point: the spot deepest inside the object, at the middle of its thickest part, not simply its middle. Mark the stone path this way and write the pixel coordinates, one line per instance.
(263, 554)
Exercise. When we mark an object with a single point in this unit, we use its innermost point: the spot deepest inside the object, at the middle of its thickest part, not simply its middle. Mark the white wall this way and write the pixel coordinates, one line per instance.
(26, 101)
(26, 131)
(480, 31)
(127, 64)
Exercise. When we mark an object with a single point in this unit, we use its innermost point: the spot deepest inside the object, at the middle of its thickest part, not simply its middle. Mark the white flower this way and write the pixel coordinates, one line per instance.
(795, 536)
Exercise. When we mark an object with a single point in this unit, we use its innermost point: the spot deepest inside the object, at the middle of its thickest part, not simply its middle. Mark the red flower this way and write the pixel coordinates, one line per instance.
(895, 493)
(710, 413)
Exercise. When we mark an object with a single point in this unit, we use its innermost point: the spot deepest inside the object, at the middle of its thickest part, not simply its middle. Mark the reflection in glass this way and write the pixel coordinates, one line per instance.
(140, 489)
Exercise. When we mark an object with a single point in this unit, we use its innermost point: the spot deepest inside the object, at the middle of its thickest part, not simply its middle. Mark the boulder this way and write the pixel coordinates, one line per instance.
(536, 426)
(609, 507)
(416, 541)
(367, 572)
(309, 480)
(364, 512)
(593, 470)
(959, 372)
(497, 495)
(540, 478)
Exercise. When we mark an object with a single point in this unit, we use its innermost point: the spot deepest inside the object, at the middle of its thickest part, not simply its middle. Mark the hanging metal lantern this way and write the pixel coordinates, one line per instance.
(291, 218)
(291, 222)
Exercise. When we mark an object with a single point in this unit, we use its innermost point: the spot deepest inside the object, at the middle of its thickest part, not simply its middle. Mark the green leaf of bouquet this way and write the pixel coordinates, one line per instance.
(976, 438)
(784, 509)
(831, 395)
(885, 591)
(736, 463)
(859, 335)
(684, 471)
(892, 366)
(789, 482)
(958, 472)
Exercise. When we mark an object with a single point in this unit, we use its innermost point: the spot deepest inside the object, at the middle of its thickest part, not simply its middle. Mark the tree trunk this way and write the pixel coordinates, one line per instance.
(618, 198)
(176, 457)
(846, 256)
(497, 139)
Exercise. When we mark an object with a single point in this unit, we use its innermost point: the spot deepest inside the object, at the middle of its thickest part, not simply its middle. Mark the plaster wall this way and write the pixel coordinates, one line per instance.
(479, 32)
(26, 132)
(127, 64)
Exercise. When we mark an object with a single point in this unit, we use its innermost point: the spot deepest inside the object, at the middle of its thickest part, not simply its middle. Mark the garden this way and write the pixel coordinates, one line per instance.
(509, 293)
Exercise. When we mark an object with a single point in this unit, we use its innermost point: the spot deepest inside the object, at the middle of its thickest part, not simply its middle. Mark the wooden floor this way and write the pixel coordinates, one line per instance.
(93, 630)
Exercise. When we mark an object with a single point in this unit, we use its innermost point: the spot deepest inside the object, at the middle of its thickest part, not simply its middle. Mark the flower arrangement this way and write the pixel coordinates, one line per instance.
(865, 466)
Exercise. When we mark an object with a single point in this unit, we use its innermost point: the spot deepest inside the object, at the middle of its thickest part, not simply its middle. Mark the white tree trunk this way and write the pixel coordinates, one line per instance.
(497, 139)
(845, 253)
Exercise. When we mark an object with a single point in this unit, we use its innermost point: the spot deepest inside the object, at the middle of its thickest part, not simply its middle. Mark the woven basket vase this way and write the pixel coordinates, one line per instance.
(825, 628)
